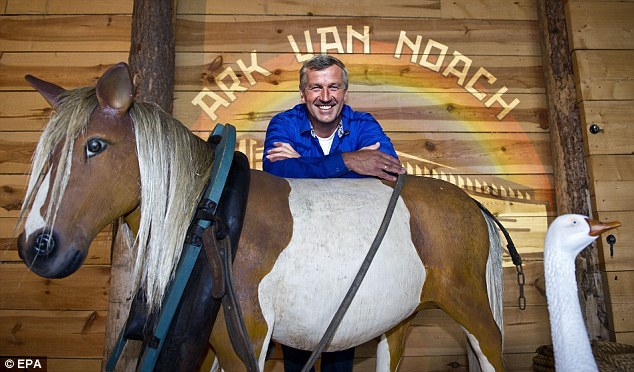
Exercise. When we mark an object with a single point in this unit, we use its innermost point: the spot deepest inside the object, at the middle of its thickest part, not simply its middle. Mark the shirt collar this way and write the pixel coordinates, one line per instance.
(307, 126)
(339, 129)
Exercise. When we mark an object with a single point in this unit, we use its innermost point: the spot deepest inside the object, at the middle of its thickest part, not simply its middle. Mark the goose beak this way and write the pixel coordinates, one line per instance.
(597, 228)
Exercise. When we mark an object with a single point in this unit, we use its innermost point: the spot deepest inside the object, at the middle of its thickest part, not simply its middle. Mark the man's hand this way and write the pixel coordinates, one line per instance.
(369, 161)
(281, 151)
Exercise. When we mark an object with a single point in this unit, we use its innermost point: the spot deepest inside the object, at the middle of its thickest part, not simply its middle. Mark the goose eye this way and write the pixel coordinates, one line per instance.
(94, 147)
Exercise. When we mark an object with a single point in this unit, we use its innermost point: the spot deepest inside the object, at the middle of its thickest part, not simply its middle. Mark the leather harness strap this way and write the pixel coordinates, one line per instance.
(217, 247)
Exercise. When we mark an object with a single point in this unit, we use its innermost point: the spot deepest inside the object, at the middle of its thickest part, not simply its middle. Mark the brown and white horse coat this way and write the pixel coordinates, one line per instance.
(302, 240)
(333, 226)
(323, 229)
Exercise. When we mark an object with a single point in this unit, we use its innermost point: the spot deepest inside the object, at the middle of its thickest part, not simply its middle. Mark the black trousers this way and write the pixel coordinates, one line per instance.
(337, 361)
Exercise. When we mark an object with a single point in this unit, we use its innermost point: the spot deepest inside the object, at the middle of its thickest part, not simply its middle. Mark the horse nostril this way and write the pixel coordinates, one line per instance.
(44, 244)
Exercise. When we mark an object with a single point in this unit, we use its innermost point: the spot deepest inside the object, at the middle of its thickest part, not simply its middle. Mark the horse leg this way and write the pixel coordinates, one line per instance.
(460, 283)
(494, 276)
(209, 361)
(391, 346)
(482, 330)
(221, 344)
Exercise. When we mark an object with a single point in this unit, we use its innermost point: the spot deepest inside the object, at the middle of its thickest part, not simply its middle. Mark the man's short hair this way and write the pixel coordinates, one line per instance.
(318, 63)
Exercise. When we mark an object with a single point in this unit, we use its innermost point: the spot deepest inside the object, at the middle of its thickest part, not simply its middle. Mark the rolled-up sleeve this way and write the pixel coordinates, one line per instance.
(303, 167)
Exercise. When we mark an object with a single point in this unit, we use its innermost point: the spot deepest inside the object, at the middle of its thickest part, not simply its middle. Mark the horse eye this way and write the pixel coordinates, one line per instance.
(94, 147)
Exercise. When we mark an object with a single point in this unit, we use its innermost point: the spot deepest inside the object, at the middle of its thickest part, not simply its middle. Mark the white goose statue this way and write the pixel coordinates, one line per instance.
(566, 237)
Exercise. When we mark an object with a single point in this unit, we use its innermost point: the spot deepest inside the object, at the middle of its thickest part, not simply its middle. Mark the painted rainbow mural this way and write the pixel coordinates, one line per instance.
(418, 106)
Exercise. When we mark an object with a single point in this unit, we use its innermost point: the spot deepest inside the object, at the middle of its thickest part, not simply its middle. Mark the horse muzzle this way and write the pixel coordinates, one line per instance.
(44, 254)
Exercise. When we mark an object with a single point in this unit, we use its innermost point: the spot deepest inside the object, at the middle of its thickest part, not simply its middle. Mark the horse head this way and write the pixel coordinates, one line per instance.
(85, 172)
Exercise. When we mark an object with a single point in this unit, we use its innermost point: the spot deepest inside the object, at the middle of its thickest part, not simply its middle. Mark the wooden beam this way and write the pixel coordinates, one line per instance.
(569, 166)
(152, 52)
(152, 63)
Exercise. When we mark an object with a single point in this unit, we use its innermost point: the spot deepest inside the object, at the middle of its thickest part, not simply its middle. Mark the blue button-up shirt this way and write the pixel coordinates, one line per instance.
(358, 130)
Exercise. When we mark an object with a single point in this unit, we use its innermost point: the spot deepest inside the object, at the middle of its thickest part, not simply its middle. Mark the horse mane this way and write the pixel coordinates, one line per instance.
(174, 166)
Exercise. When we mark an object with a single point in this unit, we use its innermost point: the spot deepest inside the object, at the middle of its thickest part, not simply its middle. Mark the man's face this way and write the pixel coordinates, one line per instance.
(324, 96)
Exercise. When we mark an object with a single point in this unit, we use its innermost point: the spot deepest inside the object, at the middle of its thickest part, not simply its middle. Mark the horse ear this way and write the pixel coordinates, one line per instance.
(49, 91)
(114, 88)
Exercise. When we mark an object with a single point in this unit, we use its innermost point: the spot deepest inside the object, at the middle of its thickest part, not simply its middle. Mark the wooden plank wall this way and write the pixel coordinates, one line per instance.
(439, 128)
(602, 49)
(70, 43)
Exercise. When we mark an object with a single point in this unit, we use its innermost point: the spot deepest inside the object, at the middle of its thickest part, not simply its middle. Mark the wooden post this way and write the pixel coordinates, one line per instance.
(121, 295)
(152, 65)
(569, 166)
(152, 51)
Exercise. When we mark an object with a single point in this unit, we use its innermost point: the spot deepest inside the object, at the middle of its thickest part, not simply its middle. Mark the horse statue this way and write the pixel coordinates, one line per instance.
(104, 155)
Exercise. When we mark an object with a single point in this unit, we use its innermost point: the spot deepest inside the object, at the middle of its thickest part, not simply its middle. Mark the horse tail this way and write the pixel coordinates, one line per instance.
(510, 246)
(494, 273)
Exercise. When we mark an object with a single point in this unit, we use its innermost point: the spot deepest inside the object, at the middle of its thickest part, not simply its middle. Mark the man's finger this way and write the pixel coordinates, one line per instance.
(281, 151)
(283, 145)
(386, 176)
(393, 168)
(390, 162)
(286, 147)
(278, 150)
(276, 157)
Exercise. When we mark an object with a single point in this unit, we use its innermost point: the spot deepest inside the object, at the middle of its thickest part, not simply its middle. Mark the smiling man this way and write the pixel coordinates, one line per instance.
(323, 137)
